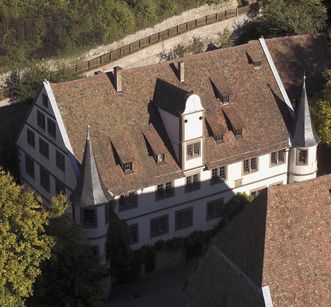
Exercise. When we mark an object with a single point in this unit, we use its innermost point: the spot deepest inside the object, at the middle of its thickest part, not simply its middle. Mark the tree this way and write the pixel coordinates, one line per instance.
(24, 243)
(123, 263)
(288, 17)
(23, 85)
(72, 275)
(321, 111)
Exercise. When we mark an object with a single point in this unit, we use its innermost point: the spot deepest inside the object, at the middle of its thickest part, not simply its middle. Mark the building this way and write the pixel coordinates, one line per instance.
(276, 252)
(172, 142)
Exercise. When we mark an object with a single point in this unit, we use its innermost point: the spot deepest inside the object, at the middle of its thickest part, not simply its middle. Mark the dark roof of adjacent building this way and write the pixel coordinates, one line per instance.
(89, 190)
(218, 282)
(303, 134)
(94, 100)
(283, 240)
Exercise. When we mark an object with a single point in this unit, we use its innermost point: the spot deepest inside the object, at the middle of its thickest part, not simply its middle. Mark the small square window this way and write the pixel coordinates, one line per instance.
(30, 137)
(159, 226)
(192, 183)
(43, 148)
(51, 128)
(277, 157)
(218, 174)
(127, 167)
(160, 158)
(128, 201)
(60, 161)
(59, 187)
(215, 209)
(164, 190)
(250, 165)
(219, 138)
(89, 218)
(193, 150)
(41, 120)
(44, 179)
(184, 218)
(134, 233)
(29, 166)
(45, 101)
(302, 156)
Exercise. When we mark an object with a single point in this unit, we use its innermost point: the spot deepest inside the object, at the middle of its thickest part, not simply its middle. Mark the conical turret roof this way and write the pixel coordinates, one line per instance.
(303, 132)
(89, 190)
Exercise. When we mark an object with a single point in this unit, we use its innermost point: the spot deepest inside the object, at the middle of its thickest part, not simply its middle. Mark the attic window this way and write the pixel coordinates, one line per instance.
(127, 167)
(238, 133)
(225, 98)
(254, 58)
(221, 89)
(160, 158)
(219, 138)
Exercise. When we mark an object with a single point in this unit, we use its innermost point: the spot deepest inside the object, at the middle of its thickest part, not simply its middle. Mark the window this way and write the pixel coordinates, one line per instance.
(45, 100)
(59, 187)
(29, 166)
(160, 158)
(134, 233)
(95, 250)
(250, 165)
(127, 167)
(238, 133)
(128, 201)
(215, 208)
(107, 208)
(159, 226)
(60, 161)
(192, 183)
(193, 150)
(277, 157)
(302, 156)
(219, 138)
(41, 120)
(164, 190)
(44, 179)
(218, 175)
(30, 137)
(89, 218)
(51, 127)
(183, 218)
(43, 148)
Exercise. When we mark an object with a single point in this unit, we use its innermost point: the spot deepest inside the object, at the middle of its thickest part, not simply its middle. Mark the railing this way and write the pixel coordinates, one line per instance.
(158, 37)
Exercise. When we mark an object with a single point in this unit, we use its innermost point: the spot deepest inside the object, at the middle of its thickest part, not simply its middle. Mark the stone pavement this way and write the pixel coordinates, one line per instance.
(160, 289)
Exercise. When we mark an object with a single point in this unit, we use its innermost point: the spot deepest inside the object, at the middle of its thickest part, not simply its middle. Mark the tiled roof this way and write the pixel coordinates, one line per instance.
(254, 95)
(208, 286)
(283, 240)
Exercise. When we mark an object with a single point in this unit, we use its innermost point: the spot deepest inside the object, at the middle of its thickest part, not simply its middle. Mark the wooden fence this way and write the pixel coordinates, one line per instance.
(158, 37)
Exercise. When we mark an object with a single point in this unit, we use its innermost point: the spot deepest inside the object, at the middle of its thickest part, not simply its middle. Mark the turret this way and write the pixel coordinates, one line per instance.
(90, 202)
(303, 160)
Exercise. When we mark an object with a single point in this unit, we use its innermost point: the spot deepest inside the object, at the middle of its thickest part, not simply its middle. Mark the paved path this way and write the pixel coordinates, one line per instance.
(150, 55)
(161, 289)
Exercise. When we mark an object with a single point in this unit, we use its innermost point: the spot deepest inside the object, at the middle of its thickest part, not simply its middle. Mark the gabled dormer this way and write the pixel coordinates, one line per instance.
(234, 121)
(123, 153)
(182, 115)
(155, 145)
(215, 126)
(254, 58)
(221, 88)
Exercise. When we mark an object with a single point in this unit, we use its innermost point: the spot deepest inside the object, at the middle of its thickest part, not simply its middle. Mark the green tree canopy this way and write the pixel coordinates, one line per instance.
(72, 275)
(24, 243)
(289, 17)
(321, 111)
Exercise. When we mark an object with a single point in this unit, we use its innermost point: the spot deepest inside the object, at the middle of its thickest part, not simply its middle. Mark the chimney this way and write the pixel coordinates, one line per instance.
(181, 70)
(118, 79)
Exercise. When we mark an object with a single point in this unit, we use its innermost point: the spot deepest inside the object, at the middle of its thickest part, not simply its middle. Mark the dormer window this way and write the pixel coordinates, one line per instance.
(160, 158)
(219, 138)
(254, 58)
(221, 88)
(238, 133)
(127, 167)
